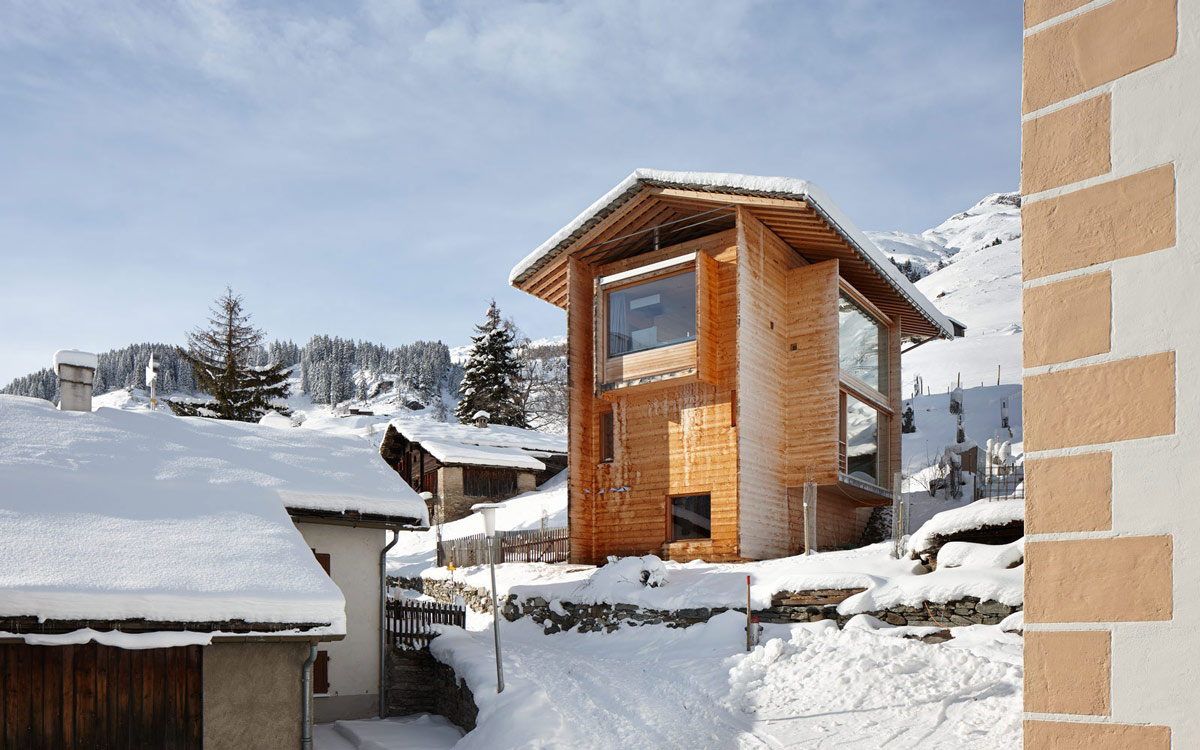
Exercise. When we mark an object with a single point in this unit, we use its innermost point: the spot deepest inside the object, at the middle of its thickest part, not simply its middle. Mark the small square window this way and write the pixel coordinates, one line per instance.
(691, 517)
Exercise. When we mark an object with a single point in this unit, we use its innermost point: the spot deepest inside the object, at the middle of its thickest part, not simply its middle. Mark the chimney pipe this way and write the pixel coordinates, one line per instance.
(76, 372)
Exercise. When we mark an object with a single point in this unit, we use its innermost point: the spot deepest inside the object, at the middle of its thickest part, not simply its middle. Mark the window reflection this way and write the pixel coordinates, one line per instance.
(657, 313)
(862, 440)
(862, 344)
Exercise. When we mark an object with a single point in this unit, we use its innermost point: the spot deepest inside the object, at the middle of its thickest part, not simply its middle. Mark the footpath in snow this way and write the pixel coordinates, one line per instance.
(808, 685)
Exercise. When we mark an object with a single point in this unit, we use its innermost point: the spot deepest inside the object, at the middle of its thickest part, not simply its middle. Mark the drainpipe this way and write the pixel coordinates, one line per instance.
(383, 635)
(306, 714)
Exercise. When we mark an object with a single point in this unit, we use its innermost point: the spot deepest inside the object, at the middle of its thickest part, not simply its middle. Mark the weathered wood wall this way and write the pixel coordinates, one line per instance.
(582, 434)
(93, 696)
(668, 439)
(764, 261)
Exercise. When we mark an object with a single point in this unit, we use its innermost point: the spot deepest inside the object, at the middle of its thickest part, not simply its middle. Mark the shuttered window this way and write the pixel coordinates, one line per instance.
(484, 482)
(321, 673)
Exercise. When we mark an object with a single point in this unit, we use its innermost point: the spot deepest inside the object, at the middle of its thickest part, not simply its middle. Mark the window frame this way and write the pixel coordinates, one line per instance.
(671, 536)
(653, 272)
(852, 382)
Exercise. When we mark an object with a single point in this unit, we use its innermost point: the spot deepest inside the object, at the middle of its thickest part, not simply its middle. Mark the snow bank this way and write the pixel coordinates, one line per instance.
(125, 514)
(970, 555)
(975, 515)
(75, 358)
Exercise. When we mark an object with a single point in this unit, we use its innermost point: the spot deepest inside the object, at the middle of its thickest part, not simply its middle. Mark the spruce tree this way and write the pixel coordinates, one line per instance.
(490, 375)
(222, 357)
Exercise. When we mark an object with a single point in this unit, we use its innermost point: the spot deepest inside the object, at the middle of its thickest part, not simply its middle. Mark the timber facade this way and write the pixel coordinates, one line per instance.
(727, 344)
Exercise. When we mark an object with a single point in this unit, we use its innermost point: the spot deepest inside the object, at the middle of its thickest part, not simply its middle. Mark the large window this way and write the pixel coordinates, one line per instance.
(862, 344)
(691, 517)
(655, 313)
(860, 425)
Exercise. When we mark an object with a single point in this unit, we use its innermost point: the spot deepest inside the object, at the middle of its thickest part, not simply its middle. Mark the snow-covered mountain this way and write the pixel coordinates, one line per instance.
(979, 285)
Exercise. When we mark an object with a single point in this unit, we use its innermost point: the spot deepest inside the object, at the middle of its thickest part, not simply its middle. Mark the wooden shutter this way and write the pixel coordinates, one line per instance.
(325, 560)
(321, 673)
(706, 318)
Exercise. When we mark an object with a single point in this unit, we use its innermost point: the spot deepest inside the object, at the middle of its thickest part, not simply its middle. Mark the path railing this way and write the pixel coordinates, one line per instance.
(1000, 482)
(409, 622)
(535, 545)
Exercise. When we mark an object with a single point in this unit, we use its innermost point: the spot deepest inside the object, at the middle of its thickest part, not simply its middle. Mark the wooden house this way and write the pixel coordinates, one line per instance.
(730, 339)
(464, 464)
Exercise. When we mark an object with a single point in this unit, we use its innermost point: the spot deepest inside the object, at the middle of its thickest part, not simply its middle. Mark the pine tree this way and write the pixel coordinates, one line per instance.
(489, 380)
(222, 357)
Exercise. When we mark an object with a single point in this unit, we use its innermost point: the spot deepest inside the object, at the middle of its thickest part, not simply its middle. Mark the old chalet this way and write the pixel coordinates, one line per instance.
(730, 339)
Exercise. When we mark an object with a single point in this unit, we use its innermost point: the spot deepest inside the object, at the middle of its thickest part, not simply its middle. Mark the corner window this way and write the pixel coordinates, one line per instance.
(652, 314)
(860, 435)
(862, 344)
(691, 517)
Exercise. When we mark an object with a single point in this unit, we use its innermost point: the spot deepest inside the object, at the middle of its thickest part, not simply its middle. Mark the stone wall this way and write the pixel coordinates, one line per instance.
(788, 606)
(419, 683)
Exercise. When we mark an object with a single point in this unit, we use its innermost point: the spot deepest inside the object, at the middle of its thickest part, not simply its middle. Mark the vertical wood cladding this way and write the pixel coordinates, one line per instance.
(812, 374)
(762, 303)
(581, 385)
(101, 697)
(671, 439)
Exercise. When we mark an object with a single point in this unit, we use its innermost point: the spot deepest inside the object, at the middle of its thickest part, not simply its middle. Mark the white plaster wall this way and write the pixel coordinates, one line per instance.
(1156, 308)
(354, 551)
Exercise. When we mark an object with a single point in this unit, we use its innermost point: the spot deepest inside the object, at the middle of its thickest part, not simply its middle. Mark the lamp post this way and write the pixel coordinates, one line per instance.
(488, 511)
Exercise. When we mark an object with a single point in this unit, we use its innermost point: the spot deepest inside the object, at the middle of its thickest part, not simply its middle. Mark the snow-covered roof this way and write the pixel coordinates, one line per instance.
(76, 358)
(977, 515)
(115, 515)
(742, 184)
(481, 455)
(494, 445)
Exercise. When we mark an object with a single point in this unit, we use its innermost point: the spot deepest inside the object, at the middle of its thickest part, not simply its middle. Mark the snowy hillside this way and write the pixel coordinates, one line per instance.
(979, 285)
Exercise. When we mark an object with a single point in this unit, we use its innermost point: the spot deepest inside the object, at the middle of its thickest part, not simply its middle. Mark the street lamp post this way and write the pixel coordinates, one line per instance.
(488, 511)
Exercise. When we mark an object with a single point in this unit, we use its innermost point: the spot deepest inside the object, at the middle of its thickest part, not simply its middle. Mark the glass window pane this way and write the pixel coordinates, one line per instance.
(657, 313)
(862, 440)
(690, 517)
(862, 345)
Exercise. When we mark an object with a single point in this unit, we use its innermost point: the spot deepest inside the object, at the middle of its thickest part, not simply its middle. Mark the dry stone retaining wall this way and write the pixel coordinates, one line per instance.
(788, 606)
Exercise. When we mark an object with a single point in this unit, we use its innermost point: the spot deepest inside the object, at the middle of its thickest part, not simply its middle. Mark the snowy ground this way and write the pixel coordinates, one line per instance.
(417, 732)
(809, 686)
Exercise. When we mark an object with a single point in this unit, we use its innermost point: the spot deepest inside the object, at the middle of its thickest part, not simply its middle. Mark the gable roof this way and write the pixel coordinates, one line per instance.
(719, 183)
(494, 445)
(119, 515)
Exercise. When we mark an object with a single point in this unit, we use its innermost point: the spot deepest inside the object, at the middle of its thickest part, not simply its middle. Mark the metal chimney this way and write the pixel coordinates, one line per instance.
(76, 372)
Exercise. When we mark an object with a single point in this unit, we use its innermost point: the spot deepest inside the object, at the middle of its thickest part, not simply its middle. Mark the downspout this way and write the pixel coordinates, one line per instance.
(383, 635)
(306, 714)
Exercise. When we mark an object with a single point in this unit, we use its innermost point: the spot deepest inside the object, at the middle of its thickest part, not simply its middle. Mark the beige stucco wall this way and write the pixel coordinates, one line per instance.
(252, 695)
(1109, 497)
(354, 661)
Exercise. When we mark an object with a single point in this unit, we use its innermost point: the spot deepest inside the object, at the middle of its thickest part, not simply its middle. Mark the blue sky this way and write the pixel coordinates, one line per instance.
(373, 168)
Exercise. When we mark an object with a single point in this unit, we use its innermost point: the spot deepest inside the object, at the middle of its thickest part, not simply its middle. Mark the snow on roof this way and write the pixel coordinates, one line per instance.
(481, 455)
(771, 186)
(75, 358)
(465, 441)
(113, 514)
(481, 414)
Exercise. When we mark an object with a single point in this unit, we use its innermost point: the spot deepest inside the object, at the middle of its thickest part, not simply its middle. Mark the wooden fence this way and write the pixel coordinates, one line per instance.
(536, 545)
(409, 622)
